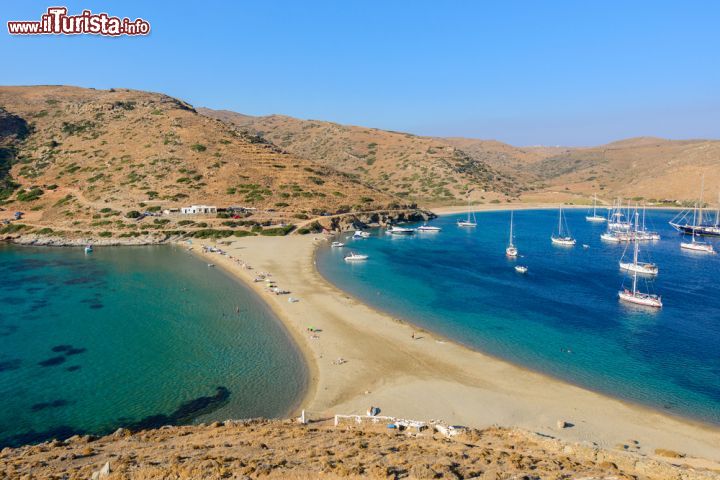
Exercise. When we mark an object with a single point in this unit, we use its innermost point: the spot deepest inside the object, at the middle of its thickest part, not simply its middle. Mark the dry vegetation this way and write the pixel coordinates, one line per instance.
(284, 449)
(442, 170)
(90, 158)
(418, 168)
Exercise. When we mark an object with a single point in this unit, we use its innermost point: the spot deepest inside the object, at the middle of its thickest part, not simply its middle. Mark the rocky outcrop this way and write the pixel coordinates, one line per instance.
(358, 220)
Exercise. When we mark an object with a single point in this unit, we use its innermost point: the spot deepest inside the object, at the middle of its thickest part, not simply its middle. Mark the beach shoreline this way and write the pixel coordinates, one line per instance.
(387, 368)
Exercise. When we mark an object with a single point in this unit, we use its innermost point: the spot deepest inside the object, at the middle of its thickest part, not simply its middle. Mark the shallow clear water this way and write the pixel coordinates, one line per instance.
(563, 317)
(140, 336)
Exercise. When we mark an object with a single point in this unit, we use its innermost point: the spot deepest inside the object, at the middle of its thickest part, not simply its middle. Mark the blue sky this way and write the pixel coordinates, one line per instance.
(524, 72)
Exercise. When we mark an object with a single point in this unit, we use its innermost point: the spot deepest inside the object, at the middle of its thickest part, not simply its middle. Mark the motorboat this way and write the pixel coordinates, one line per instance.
(428, 228)
(337, 244)
(395, 230)
(521, 268)
(361, 234)
(355, 257)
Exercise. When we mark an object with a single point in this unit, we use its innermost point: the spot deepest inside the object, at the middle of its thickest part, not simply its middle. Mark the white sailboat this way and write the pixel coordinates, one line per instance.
(511, 250)
(643, 268)
(595, 218)
(697, 245)
(634, 295)
(468, 222)
(561, 238)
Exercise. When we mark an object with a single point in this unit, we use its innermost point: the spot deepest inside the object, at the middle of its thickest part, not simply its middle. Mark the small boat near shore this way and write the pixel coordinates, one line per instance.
(337, 245)
(355, 257)
(361, 234)
(468, 222)
(88, 249)
(428, 228)
(595, 218)
(395, 230)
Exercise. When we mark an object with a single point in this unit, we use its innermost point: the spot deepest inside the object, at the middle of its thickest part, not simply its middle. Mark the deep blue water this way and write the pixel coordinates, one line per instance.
(563, 318)
(140, 336)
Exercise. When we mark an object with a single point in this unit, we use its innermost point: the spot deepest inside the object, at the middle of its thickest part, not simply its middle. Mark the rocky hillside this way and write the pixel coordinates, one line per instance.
(85, 160)
(277, 449)
(443, 170)
(422, 169)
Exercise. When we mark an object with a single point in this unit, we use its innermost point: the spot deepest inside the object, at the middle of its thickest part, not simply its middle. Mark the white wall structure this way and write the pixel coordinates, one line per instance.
(198, 209)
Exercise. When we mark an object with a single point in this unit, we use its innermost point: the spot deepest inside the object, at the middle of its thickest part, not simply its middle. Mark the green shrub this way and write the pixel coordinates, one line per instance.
(105, 234)
(198, 147)
(30, 195)
(132, 214)
(13, 228)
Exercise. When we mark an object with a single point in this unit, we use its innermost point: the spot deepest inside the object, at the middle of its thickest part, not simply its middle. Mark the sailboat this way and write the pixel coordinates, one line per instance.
(511, 250)
(468, 222)
(635, 296)
(697, 227)
(595, 218)
(560, 238)
(644, 268)
(696, 245)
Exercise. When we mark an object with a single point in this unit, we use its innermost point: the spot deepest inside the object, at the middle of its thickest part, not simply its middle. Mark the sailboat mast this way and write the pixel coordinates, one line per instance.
(635, 254)
(511, 228)
(702, 188)
(595, 205)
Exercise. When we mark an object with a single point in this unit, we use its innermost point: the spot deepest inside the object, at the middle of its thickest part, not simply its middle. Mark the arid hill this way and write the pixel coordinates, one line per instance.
(283, 449)
(646, 169)
(429, 169)
(82, 159)
(419, 168)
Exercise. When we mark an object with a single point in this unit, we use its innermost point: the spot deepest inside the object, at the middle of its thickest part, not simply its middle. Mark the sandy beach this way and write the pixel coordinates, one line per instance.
(429, 377)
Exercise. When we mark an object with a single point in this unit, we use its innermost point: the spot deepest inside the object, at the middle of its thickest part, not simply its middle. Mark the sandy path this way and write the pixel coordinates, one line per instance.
(431, 378)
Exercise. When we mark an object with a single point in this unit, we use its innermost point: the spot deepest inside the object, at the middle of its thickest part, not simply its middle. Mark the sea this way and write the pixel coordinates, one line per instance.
(134, 337)
(563, 317)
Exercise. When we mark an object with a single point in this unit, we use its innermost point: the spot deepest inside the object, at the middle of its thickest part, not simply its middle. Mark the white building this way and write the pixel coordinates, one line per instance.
(198, 209)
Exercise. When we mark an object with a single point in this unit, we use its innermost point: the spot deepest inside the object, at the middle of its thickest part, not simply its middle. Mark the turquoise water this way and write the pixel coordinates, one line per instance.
(141, 336)
(563, 318)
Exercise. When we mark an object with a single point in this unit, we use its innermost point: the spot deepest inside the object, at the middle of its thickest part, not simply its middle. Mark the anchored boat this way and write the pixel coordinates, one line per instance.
(355, 257)
(511, 250)
(595, 218)
(634, 295)
(563, 237)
